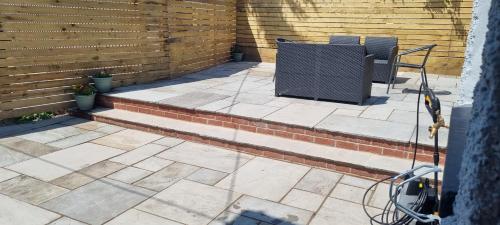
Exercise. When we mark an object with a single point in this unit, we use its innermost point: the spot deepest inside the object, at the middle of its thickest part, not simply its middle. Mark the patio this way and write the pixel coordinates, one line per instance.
(72, 171)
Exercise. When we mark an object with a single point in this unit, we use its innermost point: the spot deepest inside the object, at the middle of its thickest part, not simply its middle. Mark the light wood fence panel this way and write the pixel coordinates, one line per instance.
(201, 33)
(48, 46)
(414, 22)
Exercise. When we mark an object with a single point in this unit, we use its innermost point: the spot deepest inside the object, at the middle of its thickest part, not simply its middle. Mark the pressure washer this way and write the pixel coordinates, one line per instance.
(413, 197)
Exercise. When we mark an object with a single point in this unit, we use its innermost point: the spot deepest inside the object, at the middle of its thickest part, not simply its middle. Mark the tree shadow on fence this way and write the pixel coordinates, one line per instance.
(268, 30)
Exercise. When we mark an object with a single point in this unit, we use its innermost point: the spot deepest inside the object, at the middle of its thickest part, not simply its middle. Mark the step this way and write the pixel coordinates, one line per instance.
(336, 137)
(343, 160)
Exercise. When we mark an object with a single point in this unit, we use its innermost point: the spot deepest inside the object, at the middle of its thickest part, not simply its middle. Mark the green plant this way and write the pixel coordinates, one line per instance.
(84, 89)
(236, 49)
(102, 74)
(35, 117)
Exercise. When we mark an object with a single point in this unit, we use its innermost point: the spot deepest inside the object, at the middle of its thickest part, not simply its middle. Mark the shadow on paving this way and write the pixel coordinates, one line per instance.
(249, 217)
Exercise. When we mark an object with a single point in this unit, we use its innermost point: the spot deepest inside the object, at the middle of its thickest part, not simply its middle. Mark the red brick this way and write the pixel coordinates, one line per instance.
(265, 131)
(239, 121)
(230, 125)
(170, 115)
(302, 137)
(392, 152)
(223, 118)
(199, 120)
(274, 155)
(276, 127)
(324, 141)
(215, 122)
(315, 162)
(346, 145)
(294, 158)
(342, 168)
(184, 117)
(283, 134)
(248, 128)
(370, 148)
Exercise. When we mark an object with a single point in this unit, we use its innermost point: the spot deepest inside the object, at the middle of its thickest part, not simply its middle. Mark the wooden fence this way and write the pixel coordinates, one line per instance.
(47, 46)
(414, 22)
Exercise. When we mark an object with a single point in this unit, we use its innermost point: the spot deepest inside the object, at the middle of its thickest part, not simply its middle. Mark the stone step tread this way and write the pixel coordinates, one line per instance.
(359, 158)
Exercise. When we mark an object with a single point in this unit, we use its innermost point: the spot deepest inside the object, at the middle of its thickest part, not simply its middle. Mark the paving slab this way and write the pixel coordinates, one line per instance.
(218, 105)
(17, 129)
(127, 139)
(60, 163)
(229, 218)
(66, 221)
(264, 178)
(367, 127)
(30, 190)
(9, 156)
(110, 129)
(300, 114)
(28, 147)
(137, 217)
(76, 140)
(86, 175)
(349, 193)
(143, 95)
(153, 164)
(348, 112)
(189, 202)
(249, 110)
(253, 98)
(139, 154)
(129, 175)
(16, 212)
(377, 112)
(169, 141)
(319, 181)
(166, 176)
(99, 201)
(206, 156)
(207, 176)
(269, 212)
(7, 174)
(303, 200)
(51, 133)
(380, 196)
(193, 99)
(335, 211)
(356, 181)
(85, 124)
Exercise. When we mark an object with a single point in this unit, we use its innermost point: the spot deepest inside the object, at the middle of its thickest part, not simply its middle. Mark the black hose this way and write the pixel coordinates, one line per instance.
(385, 215)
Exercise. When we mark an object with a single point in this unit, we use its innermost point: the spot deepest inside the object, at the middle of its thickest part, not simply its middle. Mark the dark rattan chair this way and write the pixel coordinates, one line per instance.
(318, 71)
(344, 40)
(421, 66)
(385, 50)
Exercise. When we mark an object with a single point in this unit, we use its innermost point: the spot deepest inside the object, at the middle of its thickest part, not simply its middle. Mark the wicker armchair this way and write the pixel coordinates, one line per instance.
(385, 50)
(332, 72)
(344, 40)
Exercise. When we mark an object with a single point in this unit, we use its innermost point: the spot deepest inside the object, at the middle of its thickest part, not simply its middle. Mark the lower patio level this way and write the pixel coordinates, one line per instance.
(73, 171)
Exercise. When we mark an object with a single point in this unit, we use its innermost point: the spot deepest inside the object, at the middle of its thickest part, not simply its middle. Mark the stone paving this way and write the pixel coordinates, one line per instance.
(247, 89)
(105, 174)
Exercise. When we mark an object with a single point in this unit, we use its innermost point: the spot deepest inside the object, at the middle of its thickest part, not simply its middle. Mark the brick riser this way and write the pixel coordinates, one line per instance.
(334, 139)
(248, 149)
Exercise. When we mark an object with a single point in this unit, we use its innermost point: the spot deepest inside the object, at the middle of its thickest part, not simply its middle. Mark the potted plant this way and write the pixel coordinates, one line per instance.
(102, 81)
(236, 53)
(85, 96)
